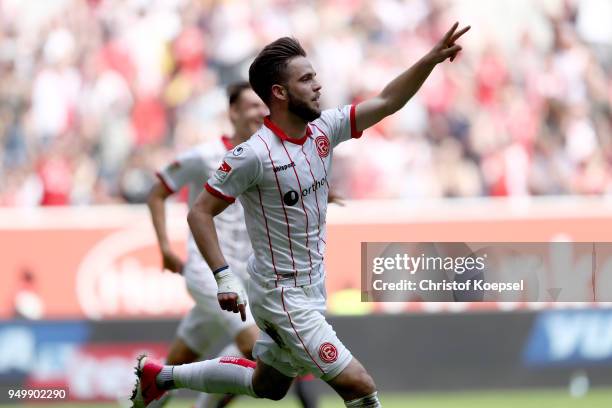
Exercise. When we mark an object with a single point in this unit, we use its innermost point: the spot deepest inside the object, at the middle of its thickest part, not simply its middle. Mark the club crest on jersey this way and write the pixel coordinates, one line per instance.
(322, 143)
(328, 353)
(223, 171)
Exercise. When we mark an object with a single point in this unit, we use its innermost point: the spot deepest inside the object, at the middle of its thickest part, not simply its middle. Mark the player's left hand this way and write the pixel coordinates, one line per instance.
(446, 47)
(230, 293)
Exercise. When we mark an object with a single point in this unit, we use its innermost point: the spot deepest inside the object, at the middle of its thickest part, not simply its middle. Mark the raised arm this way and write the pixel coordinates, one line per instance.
(399, 91)
(157, 207)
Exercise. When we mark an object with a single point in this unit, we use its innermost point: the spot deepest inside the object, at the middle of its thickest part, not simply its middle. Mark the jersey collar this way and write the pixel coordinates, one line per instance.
(282, 136)
(226, 142)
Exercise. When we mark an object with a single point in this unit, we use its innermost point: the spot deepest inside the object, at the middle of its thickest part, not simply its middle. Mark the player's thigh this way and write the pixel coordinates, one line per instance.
(270, 383)
(304, 340)
(353, 382)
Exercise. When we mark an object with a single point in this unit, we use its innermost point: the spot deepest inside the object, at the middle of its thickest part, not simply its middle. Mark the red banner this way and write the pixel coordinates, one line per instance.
(103, 262)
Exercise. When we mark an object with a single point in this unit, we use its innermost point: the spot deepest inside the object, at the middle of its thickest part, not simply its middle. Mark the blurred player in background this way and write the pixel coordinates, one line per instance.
(281, 177)
(205, 323)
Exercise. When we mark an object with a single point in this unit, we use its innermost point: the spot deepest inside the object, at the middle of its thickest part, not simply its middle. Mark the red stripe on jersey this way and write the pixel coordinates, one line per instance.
(296, 333)
(263, 213)
(238, 361)
(303, 208)
(219, 194)
(354, 133)
(165, 184)
(284, 211)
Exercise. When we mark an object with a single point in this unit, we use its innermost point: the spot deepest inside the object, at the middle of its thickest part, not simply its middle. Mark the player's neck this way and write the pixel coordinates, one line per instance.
(293, 126)
(236, 138)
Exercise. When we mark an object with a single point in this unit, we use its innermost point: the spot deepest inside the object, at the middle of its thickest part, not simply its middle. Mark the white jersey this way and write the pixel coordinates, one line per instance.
(192, 168)
(283, 187)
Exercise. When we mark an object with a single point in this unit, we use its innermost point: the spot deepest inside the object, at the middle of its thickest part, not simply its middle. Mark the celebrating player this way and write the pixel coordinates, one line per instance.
(205, 323)
(281, 176)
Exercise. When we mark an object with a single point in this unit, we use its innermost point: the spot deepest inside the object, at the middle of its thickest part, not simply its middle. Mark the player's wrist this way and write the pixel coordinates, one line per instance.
(221, 270)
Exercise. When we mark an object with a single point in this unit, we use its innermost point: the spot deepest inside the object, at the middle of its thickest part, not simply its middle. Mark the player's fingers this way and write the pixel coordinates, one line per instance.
(242, 309)
(459, 33)
(449, 33)
(449, 52)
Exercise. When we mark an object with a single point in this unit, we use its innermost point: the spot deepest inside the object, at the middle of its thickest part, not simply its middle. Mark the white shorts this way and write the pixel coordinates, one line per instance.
(206, 322)
(295, 338)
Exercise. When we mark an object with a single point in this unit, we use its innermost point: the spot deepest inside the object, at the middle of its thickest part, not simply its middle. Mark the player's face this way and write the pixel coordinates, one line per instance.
(248, 113)
(303, 90)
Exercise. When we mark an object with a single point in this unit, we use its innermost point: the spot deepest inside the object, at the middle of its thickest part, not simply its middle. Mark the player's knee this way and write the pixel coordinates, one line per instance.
(363, 383)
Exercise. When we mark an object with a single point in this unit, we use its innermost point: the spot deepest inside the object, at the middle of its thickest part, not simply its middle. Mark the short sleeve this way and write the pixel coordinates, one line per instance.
(188, 167)
(240, 169)
(338, 124)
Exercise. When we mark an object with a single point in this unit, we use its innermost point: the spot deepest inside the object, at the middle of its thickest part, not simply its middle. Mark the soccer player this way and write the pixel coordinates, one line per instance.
(281, 176)
(204, 324)
(200, 328)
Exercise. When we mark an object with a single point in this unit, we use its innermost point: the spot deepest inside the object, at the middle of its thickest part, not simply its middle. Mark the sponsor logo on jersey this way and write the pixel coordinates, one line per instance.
(238, 151)
(322, 143)
(291, 197)
(283, 167)
(223, 171)
(328, 352)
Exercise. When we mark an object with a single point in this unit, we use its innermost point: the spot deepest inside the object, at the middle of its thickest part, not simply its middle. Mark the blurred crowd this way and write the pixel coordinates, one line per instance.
(96, 95)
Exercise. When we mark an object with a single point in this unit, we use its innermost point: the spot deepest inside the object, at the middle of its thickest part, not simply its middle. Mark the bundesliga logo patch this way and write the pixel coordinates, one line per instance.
(322, 143)
(223, 171)
(328, 353)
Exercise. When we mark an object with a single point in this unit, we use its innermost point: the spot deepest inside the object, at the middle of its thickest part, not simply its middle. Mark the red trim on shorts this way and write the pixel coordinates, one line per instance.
(282, 135)
(354, 133)
(284, 210)
(303, 208)
(238, 361)
(164, 183)
(226, 142)
(219, 194)
(263, 213)
(296, 333)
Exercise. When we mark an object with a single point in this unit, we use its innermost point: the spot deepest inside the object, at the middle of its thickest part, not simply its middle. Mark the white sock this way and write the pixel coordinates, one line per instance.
(213, 400)
(225, 375)
(369, 401)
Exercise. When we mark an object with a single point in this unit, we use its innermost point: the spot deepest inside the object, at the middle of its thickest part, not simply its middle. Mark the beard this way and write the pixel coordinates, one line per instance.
(301, 109)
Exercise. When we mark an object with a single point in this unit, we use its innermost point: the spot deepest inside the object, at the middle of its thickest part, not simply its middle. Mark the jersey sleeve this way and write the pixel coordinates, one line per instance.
(188, 167)
(339, 124)
(240, 169)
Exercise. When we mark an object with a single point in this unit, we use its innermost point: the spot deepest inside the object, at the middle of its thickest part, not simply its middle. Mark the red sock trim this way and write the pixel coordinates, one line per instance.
(238, 361)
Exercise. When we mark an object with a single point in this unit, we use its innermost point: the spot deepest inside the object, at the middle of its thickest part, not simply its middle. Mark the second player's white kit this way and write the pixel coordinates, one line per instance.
(206, 321)
(283, 187)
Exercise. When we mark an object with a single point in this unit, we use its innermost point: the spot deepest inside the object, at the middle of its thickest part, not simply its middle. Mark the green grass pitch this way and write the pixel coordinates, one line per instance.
(597, 398)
